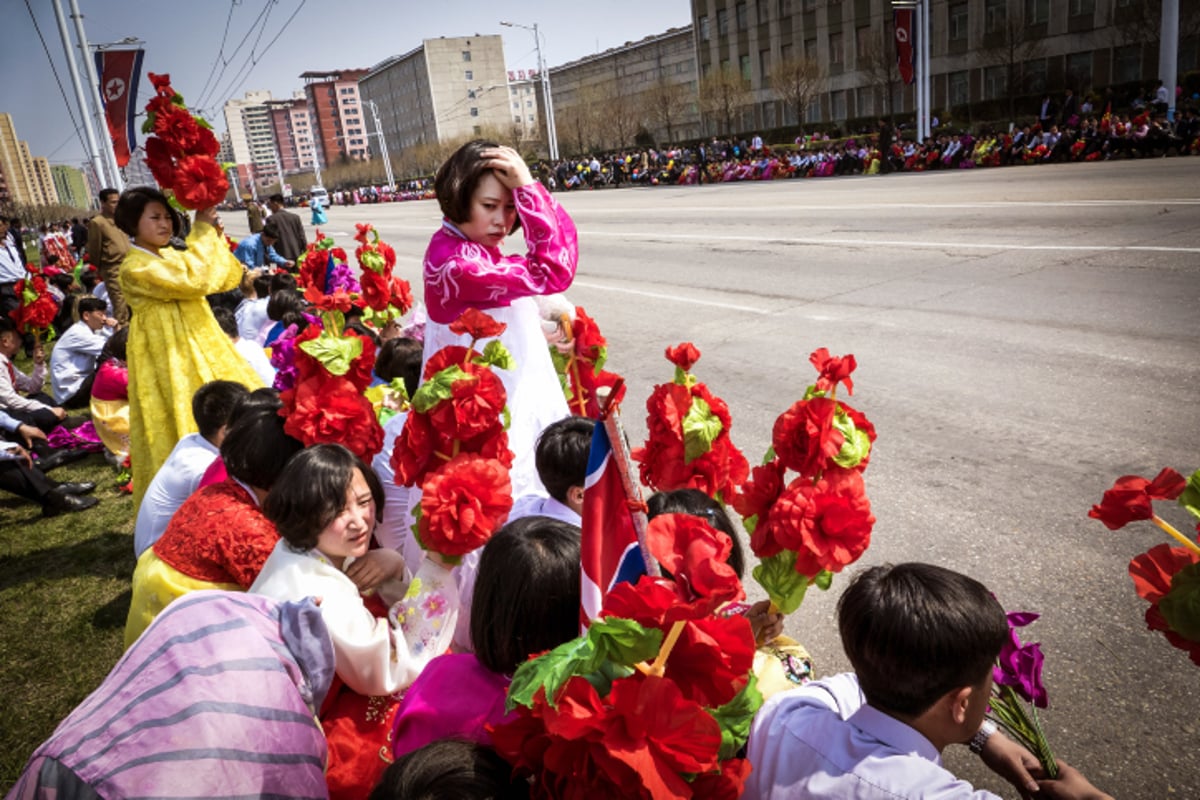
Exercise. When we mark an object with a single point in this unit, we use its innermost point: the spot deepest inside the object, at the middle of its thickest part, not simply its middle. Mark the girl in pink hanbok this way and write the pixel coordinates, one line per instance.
(486, 192)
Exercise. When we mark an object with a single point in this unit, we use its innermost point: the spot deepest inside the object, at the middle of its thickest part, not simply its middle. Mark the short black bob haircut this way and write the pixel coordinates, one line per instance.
(526, 592)
(698, 504)
(214, 403)
(133, 204)
(458, 178)
(256, 450)
(914, 632)
(450, 769)
(400, 358)
(562, 454)
(311, 492)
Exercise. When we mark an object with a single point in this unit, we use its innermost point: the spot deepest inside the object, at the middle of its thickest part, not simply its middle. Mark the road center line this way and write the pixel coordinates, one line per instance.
(672, 297)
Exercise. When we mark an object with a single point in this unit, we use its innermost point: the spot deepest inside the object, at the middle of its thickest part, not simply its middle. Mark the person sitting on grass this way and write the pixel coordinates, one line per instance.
(252, 311)
(212, 406)
(73, 360)
(248, 349)
(110, 399)
(923, 641)
(219, 538)
(21, 477)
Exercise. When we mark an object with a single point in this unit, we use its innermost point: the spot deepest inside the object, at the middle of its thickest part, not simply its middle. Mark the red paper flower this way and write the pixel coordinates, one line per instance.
(477, 325)
(1152, 573)
(199, 182)
(683, 355)
(833, 370)
(804, 437)
(477, 402)
(828, 524)
(376, 290)
(413, 453)
(158, 158)
(696, 555)
(161, 83)
(401, 295)
(335, 412)
(450, 356)
(728, 784)
(338, 301)
(178, 129)
(463, 503)
(1131, 496)
(763, 489)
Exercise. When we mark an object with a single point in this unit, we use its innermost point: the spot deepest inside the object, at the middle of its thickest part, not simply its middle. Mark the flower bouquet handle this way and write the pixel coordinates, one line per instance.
(1017, 681)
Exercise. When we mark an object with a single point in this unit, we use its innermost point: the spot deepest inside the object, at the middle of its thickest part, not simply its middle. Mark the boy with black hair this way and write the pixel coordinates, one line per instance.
(561, 459)
(212, 406)
(73, 360)
(923, 641)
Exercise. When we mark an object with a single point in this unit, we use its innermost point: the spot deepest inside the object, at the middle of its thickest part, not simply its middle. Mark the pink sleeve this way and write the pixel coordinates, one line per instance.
(461, 274)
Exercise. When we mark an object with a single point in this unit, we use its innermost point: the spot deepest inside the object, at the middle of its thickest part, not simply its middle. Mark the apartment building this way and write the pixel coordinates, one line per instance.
(339, 130)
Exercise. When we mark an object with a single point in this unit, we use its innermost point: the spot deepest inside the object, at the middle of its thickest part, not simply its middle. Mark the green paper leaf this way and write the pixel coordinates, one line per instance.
(373, 261)
(437, 388)
(203, 123)
(148, 123)
(601, 359)
(397, 386)
(1180, 607)
(750, 523)
(857, 444)
(736, 716)
(495, 354)
(769, 456)
(681, 377)
(620, 641)
(778, 576)
(1190, 499)
(227, 165)
(823, 580)
(700, 428)
(506, 417)
(335, 352)
(175, 204)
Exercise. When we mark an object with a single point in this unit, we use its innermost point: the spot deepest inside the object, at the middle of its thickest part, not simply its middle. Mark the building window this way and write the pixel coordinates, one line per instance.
(704, 32)
(995, 15)
(1127, 63)
(810, 48)
(517, 119)
(517, 105)
(1083, 8)
(864, 101)
(474, 111)
(995, 82)
(469, 75)
(837, 54)
(1037, 12)
(813, 112)
(722, 21)
(960, 88)
(764, 12)
(837, 105)
(811, 5)
(529, 104)
(785, 9)
(764, 64)
(958, 22)
(470, 94)
(1079, 71)
(744, 67)
(466, 55)
(743, 20)
(531, 117)
(862, 42)
(1034, 73)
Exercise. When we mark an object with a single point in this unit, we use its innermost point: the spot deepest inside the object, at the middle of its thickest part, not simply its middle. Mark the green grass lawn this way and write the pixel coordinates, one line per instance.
(64, 588)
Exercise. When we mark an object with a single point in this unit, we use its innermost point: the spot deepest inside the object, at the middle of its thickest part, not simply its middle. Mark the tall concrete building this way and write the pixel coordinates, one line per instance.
(16, 164)
(252, 138)
(526, 105)
(443, 90)
(646, 87)
(291, 124)
(980, 50)
(339, 132)
(70, 186)
(45, 181)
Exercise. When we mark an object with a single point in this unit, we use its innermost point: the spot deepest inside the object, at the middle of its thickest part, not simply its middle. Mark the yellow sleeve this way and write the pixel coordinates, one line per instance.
(205, 268)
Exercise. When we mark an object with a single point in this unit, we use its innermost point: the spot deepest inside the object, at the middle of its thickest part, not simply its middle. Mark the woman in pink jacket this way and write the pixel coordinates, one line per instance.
(486, 192)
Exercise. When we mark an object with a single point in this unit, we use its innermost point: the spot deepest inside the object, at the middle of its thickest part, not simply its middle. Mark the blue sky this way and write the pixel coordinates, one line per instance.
(188, 40)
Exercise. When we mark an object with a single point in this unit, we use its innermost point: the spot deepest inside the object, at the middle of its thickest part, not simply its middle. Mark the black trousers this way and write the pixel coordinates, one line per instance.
(42, 418)
(23, 481)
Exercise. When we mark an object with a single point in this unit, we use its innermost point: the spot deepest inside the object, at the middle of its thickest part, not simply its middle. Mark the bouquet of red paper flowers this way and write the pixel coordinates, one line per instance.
(385, 295)
(1166, 577)
(182, 150)
(38, 307)
(1018, 677)
(688, 442)
(594, 719)
(582, 369)
(454, 444)
(323, 267)
(815, 525)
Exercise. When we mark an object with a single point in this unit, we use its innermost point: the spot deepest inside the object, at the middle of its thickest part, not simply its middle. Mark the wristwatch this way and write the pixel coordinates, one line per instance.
(981, 736)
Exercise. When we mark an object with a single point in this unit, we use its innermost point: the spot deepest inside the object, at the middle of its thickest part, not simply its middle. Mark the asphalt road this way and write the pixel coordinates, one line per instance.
(1024, 336)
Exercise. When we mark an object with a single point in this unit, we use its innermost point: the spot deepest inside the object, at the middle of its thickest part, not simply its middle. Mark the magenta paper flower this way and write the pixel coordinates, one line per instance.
(1020, 666)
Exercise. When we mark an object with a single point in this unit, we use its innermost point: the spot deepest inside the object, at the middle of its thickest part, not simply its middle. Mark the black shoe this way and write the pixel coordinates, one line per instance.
(56, 502)
(58, 458)
(76, 488)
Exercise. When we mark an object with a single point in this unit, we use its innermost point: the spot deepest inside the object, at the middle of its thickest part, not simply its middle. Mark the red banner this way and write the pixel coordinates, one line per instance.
(119, 71)
(903, 18)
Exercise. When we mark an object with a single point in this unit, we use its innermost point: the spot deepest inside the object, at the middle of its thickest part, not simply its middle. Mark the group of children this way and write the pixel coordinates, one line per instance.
(278, 583)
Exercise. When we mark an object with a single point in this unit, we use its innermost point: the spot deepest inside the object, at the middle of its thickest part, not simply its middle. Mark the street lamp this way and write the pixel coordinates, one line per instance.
(383, 151)
(551, 132)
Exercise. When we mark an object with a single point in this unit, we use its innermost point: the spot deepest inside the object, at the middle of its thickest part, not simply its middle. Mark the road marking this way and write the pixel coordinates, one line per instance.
(829, 242)
(983, 204)
(672, 297)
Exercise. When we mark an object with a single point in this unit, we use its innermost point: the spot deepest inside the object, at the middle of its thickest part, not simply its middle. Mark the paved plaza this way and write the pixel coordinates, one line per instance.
(1024, 336)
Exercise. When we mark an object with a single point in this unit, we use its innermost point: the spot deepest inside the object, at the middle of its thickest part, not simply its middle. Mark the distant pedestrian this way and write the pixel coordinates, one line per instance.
(106, 249)
(254, 215)
(286, 228)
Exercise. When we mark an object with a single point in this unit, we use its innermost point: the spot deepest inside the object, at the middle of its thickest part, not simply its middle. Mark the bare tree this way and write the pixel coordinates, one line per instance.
(1010, 45)
(798, 81)
(665, 103)
(878, 61)
(1141, 22)
(723, 94)
(615, 115)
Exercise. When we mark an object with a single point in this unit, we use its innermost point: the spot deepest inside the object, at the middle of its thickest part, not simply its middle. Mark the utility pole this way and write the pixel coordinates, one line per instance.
(547, 98)
(383, 151)
(89, 133)
(106, 147)
(1168, 52)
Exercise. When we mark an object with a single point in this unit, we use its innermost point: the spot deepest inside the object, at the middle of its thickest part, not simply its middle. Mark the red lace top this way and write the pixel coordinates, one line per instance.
(218, 535)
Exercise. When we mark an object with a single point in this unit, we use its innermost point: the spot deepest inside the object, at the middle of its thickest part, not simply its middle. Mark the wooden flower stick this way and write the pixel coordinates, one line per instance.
(1171, 531)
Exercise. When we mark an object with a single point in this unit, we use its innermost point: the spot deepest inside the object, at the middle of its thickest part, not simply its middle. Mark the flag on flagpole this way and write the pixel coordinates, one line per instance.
(119, 71)
(609, 547)
(903, 19)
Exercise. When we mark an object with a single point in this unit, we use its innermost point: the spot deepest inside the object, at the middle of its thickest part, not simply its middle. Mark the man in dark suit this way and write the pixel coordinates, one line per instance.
(286, 228)
(1070, 108)
(1046, 113)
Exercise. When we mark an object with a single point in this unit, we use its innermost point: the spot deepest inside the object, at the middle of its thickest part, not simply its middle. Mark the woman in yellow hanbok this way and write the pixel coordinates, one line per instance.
(175, 345)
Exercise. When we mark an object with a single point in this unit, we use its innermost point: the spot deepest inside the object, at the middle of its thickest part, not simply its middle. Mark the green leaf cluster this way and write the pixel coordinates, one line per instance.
(1180, 606)
(1190, 499)
(495, 354)
(736, 717)
(786, 587)
(437, 388)
(336, 353)
(701, 427)
(856, 446)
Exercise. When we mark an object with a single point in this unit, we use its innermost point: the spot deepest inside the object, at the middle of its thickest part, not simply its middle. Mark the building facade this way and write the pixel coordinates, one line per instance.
(45, 181)
(338, 131)
(980, 50)
(606, 100)
(252, 138)
(293, 133)
(444, 90)
(16, 164)
(70, 186)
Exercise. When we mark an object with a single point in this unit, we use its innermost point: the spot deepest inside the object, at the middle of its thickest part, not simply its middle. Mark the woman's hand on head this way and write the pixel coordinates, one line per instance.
(375, 568)
(508, 165)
